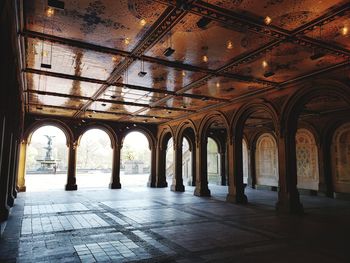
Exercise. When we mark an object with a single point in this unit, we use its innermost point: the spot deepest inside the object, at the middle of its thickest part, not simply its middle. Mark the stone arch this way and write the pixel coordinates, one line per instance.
(245, 158)
(243, 113)
(149, 135)
(307, 159)
(27, 136)
(26, 140)
(266, 159)
(164, 136)
(188, 124)
(341, 158)
(294, 104)
(210, 119)
(99, 126)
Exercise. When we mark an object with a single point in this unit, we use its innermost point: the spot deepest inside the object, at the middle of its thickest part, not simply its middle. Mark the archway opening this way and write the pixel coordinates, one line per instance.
(322, 108)
(245, 156)
(169, 161)
(94, 159)
(46, 159)
(307, 160)
(187, 163)
(135, 160)
(213, 161)
(260, 160)
(340, 150)
(216, 151)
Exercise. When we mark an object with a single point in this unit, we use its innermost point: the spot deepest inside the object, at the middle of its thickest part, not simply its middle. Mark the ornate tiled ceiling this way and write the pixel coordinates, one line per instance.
(84, 60)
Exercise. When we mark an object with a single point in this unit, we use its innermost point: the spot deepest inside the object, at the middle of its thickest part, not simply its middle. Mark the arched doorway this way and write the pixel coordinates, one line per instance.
(187, 162)
(169, 161)
(245, 155)
(94, 159)
(307, 160)
(266, 161)
(340, 151)
(213, 162)
(135, 160)
(46, 159)
(249, 119)
(213, 133)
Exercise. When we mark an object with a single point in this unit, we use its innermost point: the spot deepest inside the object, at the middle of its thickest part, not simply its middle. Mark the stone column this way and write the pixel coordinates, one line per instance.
(161, 166)
(251, 167)
(12, 175)
(177, 184)
(202, 168)
(115, 178)
(325, 185)
(15, 189)
(223, 166)
(288, 195)
(193, 164)
(22, 167)
(72, 161)
(5, 144)
(236, 186)
(153, 174)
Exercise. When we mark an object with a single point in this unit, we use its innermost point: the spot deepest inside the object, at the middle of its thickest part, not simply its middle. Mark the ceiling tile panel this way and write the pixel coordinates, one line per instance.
(115, 24)
(211, 47)
(61, 85)
(286, 14)
(69, 60)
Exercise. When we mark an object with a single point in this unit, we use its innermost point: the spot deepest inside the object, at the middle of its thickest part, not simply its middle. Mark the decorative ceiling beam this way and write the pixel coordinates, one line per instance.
(163, 62)
(116, 102)
(323, 19)
(129, 86)
(97, 111)
(316, 73)
(63, 76)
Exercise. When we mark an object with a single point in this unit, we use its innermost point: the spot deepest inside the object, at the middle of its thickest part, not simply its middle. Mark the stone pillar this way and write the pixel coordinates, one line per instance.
(177, 184)
(161, 166)
(153, 174)
(251, 167)
(223, 166)
(325, 185)
(288, 195)
(15, 189)
(236, 186)
(22, 167)
(202, 168)
(72, 161)
(193, 164)
(12, 168)
(5, 144)
(115, 178)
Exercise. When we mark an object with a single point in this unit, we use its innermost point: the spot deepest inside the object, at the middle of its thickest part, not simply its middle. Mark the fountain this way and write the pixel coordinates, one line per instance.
(48, 163)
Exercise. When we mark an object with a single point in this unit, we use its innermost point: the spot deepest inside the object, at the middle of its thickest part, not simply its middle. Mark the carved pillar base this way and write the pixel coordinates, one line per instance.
(10, 201)
(115, 186)
(177, 188)
(151, 184)
(71, 187)
(162, 184)
(237, 198)
(202, 191)
(22, 188)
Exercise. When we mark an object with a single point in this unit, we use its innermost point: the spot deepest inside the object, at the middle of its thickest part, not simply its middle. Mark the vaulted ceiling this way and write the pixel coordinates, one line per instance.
(84, 61)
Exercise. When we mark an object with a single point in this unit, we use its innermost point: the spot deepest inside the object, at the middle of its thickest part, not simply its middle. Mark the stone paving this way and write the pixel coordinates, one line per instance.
(143, 224)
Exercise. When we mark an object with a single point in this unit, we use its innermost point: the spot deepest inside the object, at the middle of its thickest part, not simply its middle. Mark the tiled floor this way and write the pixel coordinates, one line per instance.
(141, 224)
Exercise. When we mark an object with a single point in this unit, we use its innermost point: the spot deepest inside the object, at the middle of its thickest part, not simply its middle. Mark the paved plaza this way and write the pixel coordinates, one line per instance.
(140, 224)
